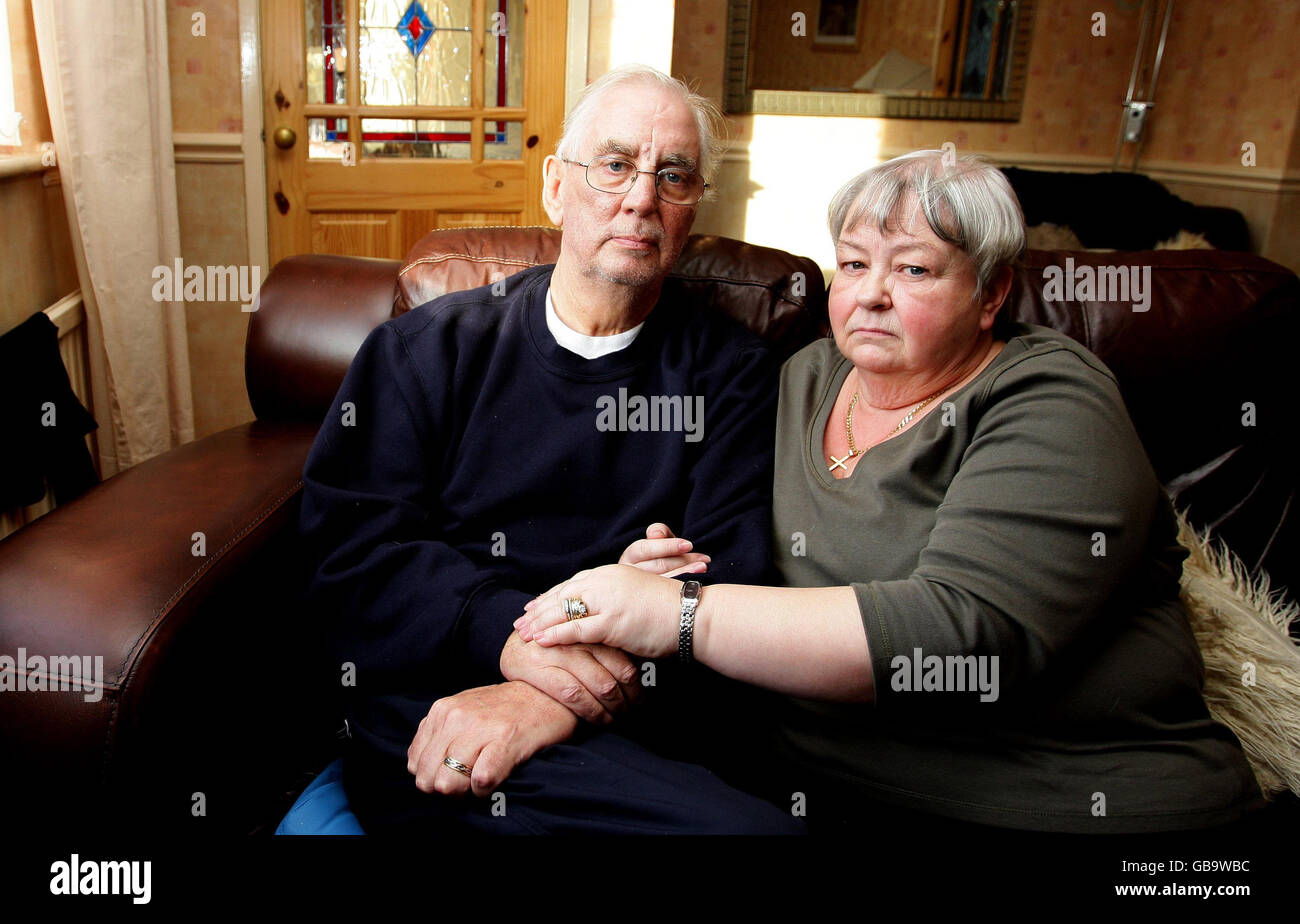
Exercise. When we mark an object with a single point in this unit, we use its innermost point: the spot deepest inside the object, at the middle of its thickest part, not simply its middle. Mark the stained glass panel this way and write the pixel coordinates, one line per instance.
(503, 69)
(375, 13)
(415, 53)
(444, 70)
(425, 138)
(326, 46)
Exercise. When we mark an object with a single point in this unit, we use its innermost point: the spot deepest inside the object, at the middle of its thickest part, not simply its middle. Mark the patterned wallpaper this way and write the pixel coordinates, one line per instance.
(204, 68)
(1231, 74)
(700, 44)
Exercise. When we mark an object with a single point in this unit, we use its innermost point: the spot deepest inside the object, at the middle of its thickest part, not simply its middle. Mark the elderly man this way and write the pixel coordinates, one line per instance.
(471, 460)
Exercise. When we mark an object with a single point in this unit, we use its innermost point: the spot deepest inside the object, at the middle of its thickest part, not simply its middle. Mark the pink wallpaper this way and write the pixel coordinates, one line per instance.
(1231, 74)
(204, 68)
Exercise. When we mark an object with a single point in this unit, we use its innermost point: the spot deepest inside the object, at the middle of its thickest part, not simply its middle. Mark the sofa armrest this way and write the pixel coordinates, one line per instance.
(181, 575)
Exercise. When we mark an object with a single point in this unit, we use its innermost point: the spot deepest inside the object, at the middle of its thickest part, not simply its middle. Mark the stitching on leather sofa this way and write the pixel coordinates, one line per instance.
(218, 555)
(133, 659)
(441, 258)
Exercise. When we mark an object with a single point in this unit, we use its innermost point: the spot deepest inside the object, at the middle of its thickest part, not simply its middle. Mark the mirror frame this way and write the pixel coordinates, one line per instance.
(740, 98)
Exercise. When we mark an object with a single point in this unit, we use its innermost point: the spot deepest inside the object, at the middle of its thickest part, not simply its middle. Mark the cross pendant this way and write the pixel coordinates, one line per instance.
(839, 463)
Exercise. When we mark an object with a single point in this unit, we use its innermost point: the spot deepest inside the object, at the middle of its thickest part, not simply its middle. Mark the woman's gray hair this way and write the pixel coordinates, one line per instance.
(966, 201)
(709, 121)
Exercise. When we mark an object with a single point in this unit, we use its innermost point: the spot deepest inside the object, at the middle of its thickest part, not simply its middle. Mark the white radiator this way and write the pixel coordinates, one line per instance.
(69, 316)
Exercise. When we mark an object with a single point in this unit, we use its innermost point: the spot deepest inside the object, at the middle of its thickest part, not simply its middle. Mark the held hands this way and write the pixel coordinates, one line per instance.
(550, 686)
(660, 552)
(597, 681)
(593, 681)
(627, 608)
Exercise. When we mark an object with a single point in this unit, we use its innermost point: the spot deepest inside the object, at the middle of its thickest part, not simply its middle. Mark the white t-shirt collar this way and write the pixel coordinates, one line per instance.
(585, 346)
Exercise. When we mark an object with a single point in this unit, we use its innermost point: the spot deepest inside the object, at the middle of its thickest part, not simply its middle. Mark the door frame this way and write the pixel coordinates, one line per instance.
(250, 85)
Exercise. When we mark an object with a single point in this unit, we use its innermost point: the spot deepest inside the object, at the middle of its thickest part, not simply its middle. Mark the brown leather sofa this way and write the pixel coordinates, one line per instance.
(219, 703)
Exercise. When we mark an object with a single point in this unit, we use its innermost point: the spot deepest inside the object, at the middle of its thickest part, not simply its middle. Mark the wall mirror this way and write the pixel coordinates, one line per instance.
(914, 59)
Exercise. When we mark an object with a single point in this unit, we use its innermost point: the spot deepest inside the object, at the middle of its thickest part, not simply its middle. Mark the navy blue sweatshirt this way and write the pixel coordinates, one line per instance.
(469, 463)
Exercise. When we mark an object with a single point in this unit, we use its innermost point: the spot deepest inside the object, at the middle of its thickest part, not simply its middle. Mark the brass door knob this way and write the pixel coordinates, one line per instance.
(284, 137)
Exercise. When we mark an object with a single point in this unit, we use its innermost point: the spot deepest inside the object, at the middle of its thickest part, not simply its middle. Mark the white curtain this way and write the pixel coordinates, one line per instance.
(104, 67)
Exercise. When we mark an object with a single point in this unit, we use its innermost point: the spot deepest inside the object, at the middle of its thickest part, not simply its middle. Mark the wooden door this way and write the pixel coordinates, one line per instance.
(385, 119)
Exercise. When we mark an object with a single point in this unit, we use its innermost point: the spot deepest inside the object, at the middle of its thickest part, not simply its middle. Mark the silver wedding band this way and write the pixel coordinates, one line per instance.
(456, 765)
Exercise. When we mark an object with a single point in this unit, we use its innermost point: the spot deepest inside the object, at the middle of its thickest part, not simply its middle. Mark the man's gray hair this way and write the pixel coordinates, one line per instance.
(709, 121)
(966, 201)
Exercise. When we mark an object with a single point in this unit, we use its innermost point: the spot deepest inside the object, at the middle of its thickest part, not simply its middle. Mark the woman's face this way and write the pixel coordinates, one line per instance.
(901, 301)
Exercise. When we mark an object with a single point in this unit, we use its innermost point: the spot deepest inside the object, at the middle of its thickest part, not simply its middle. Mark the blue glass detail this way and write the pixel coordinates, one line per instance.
(416, 28)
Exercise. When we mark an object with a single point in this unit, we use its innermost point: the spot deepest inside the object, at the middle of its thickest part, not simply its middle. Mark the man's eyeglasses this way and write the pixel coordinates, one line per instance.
(615, 175)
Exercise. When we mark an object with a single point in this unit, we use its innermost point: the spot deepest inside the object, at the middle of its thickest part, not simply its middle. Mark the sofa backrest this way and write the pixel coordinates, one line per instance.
(314, 311)
(1205, 367)
(775, 294)
(1189, 353)
(1206, 372)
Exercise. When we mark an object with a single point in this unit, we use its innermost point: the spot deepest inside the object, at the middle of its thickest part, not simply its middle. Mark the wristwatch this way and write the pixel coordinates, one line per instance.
(691, 593)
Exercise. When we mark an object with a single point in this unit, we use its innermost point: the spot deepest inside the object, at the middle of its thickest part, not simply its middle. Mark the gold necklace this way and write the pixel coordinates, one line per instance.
(854, 451)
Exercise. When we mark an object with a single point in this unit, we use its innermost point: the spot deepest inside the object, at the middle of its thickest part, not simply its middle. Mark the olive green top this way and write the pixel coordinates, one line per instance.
(1019, 520)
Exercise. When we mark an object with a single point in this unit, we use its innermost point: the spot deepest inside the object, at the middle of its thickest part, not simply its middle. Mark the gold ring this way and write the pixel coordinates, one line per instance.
(456, 765)
(574, 609)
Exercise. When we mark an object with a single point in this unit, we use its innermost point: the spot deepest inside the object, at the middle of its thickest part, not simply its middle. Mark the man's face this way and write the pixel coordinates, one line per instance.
(630, 238)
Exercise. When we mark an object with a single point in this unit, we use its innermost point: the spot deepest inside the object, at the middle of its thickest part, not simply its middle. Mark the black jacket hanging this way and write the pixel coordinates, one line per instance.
(42, 422)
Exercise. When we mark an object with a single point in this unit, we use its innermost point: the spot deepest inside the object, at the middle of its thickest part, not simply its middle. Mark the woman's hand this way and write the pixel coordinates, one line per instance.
(626, 608)
(660, 552)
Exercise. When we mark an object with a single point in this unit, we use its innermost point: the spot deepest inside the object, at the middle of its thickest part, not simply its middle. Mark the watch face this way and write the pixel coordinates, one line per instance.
(691, 590)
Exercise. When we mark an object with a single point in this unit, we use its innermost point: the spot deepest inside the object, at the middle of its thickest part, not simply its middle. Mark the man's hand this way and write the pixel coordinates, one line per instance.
(490, 729)
(661, 552)
(592, 681)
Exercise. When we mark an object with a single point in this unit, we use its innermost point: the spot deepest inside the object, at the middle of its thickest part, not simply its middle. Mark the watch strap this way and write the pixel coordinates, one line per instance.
(691, 593)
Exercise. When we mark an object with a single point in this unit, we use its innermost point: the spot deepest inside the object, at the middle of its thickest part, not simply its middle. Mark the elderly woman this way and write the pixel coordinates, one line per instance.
(982, 620)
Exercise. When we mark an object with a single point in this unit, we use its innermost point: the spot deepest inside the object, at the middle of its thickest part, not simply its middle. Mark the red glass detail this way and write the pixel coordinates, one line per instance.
(327, 13)
(501, 56)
